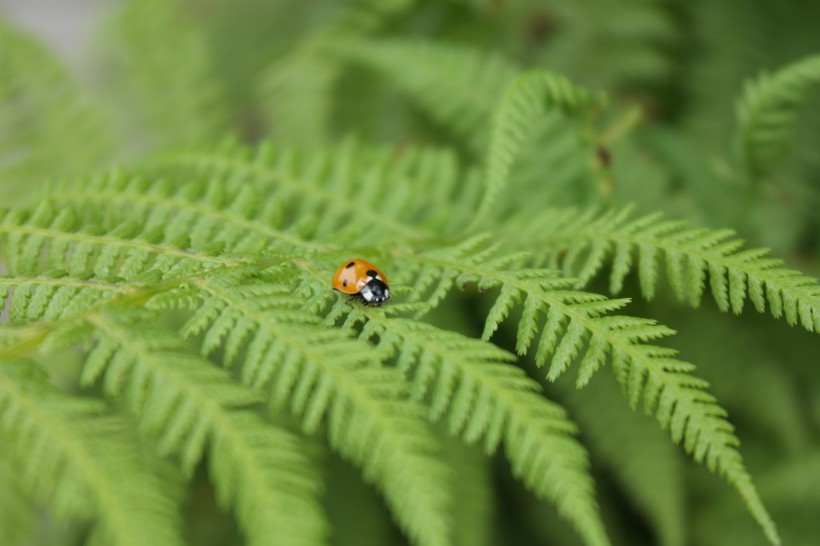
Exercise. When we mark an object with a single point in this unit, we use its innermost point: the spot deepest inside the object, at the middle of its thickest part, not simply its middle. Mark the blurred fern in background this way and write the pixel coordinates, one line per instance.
(556, 191)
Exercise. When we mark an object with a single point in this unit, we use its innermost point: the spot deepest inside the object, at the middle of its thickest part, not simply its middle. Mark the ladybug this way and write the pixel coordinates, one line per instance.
(363, 279)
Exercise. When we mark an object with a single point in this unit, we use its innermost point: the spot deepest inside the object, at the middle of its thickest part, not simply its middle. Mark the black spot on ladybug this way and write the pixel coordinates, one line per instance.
(344, 282)
(371, 273)
(351, 264)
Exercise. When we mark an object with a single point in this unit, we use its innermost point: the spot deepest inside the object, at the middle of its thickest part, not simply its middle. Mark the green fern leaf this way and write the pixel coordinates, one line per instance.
(47, 239)
(577, 328)
(324, 375)
(211, 212)
(766, 112)
(72, 454)
(691, 256)
(484, 396)
(55, 295)
(343, 193)
(526, 99)
(190, 405)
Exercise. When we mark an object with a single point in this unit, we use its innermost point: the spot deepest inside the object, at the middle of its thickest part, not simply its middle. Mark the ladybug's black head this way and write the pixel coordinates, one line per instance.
(375, 291)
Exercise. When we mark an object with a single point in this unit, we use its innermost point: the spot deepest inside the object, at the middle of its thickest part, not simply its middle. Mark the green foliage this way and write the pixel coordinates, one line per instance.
(49, 128)
(488, 398)
(767, 111)
(83, 461)
(189, 287)
(635, 452)
(169, 102)
(582, 243)
(458, 87)
(528, 98)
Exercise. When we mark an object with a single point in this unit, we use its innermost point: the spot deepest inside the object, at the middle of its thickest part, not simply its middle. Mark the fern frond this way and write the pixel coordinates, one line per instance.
(72, 454)
(212, 211)
(324, 375)
(49, 127)
(457, 86)
(577, 328)
(340, 194)
(484, 396)
(50, 239)
(582, 243)
(766, 112)
(54, 295)
(525, 100)
(190, 406)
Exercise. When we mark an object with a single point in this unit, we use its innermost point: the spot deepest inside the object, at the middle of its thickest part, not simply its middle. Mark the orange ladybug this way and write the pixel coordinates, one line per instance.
(363, 279)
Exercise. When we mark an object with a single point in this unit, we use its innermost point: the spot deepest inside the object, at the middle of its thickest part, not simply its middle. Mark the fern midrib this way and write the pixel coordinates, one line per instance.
(182, 205)
(304, 186)
(107, 240)
(109, 501)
